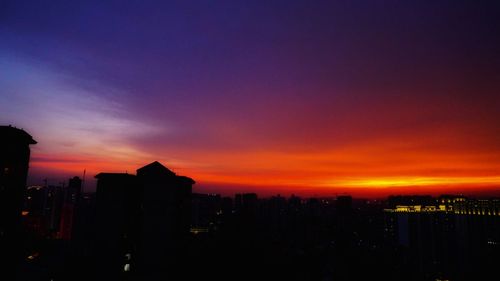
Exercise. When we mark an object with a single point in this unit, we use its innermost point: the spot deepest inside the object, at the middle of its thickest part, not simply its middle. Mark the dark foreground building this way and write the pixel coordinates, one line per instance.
(142, 221)
(70, 206)
(14, 161)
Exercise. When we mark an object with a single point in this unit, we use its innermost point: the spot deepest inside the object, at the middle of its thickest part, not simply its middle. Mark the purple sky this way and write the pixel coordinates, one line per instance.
(229, 92)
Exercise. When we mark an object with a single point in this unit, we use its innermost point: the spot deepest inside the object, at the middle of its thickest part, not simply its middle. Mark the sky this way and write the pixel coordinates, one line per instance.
(305, 97)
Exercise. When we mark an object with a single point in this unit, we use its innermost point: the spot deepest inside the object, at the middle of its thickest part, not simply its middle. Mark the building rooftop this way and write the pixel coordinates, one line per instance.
(113, 175)
(155, 168)
(15, 135)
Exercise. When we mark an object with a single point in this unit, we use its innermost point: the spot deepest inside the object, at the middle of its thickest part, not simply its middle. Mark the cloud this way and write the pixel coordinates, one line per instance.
(67, 121)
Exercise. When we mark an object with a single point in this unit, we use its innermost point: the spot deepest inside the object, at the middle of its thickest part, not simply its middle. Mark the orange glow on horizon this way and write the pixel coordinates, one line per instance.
(386, 165)
(418, 181)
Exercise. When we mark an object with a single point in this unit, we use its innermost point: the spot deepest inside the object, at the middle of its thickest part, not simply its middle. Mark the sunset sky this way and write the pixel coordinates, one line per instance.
(306, 97)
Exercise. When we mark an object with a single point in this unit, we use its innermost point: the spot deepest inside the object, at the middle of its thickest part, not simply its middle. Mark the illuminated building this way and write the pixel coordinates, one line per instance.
(445, 230)
(451, 204)
(14, 161)
(450, 201)
(483, 207)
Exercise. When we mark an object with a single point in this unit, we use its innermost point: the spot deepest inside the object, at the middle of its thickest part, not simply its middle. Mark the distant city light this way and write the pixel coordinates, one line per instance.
(33, 256)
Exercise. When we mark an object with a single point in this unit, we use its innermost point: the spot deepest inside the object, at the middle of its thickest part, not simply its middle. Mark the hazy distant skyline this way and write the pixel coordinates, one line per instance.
(304, 97)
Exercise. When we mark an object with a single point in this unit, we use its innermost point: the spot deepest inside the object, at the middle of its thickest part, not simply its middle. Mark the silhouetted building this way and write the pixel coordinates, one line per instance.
(238, 202)
(14, 161)
(85, 222)
(142, 221)
(165, 221)
(49, 210)
(294, 203)
(54, 197)
(69, 207)
(249, 205)
(344, 205)
(33, 212)
(227, 207)
(117, 221)
(205, 209)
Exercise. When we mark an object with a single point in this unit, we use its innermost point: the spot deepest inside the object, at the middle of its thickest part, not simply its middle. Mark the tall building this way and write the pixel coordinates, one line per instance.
(70, 207)
(165, 221)
(14, 162)
(142, 221)
(53, 204)
(117, 214)
(33, 213)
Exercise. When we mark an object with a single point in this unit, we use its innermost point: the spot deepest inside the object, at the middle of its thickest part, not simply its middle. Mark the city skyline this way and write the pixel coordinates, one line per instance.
(360, 98)
(151, 226)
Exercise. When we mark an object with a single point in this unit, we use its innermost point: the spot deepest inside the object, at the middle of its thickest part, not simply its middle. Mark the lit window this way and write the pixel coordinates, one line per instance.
(126, 267)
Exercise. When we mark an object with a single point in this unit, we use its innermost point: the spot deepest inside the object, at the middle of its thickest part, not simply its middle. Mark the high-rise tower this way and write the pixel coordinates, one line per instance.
(14, 162)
